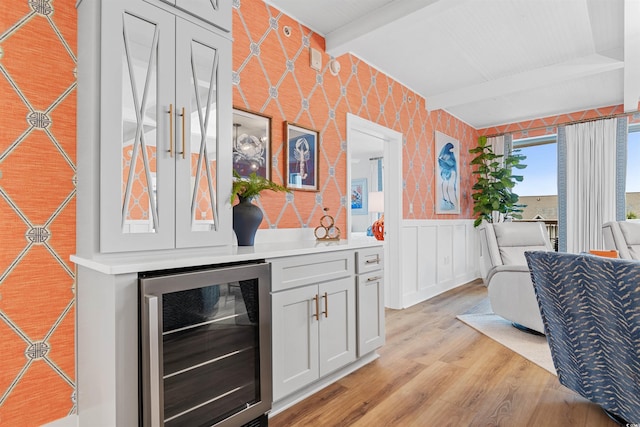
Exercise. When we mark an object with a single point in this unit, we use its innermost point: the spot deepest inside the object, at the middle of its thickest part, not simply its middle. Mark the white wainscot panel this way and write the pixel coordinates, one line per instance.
(437, 255)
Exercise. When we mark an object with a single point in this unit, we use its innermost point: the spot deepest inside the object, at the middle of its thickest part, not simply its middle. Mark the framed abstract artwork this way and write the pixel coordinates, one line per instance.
(359, 202)
(301, 153)
(447, 177)
(251, 143)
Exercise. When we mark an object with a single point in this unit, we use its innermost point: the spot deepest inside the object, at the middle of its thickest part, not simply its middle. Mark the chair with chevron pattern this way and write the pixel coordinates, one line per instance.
(590, 308)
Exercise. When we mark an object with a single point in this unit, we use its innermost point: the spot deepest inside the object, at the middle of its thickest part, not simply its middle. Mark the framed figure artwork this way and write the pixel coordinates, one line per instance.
(302, 146)
(251, 143)
(447, 177)
(359, 193)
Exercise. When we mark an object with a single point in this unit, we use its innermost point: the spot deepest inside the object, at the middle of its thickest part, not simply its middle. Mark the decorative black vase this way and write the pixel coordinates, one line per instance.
(246, 220)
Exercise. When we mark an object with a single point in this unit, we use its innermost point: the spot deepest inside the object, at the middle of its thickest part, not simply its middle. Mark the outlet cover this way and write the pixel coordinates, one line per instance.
(315, 58)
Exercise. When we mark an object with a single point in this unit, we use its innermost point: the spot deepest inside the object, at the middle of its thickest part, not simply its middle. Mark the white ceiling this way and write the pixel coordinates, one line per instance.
(491, 62)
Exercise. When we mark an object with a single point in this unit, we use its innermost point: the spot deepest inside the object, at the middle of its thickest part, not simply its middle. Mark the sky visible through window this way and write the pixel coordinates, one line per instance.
(540, 175)
(633, 162)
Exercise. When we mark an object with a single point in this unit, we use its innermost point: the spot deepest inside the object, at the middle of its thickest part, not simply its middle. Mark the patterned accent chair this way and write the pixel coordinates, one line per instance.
(624, 237)
(590, 307)
(505, 271)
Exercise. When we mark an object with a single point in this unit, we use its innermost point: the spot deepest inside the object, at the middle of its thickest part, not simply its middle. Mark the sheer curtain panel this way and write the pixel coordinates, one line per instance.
(590, 182)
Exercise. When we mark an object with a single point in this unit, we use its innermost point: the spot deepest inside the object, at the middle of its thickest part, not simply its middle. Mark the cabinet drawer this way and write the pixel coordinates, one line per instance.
(369, 259)
(291, 272)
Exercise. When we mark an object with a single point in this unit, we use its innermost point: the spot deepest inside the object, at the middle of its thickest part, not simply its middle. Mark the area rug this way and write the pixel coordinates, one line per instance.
(529, 346)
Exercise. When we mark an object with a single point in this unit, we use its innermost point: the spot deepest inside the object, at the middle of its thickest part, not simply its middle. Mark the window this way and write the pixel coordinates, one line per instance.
(633, 173)
(539, 188)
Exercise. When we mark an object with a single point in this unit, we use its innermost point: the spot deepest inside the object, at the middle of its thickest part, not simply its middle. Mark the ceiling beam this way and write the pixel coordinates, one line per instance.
(631, 55)
(537, 78)
(339, 41)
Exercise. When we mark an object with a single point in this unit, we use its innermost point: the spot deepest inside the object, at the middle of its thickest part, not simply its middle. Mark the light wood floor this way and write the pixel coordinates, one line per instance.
(436, 371)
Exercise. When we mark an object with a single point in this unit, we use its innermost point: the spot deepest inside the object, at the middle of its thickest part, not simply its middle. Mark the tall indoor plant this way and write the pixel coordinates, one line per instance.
(493, 197)
(247, 216)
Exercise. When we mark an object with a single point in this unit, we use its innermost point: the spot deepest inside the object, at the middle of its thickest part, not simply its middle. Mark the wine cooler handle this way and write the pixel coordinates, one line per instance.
(154, 360)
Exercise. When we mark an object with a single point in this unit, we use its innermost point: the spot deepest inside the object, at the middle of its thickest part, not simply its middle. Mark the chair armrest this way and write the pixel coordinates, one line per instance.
(498, 269)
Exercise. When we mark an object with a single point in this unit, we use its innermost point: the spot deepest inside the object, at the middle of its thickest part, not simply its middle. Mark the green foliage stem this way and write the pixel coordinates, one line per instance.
(252, 186)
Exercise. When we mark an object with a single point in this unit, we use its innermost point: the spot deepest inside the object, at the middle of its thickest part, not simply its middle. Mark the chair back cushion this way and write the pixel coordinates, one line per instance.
(590, 308)
(514, 238)
(631, 233)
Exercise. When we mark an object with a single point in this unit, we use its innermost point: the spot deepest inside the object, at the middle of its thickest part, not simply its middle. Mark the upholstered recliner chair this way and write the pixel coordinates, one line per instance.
(624, 237)
(590, 307)
(505, 272)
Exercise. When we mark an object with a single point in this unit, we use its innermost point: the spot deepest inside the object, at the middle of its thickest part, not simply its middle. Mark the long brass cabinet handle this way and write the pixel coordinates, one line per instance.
(183, 132)
(317, 313)
(171, 130)
(374, 279)
(373, 261)
(326, 305)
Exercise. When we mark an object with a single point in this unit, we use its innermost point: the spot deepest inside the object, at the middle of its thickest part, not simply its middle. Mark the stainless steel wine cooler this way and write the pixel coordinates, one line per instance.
(205, 346)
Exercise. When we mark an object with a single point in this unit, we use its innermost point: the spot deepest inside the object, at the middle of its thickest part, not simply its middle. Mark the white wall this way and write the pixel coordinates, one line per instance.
(437, 255)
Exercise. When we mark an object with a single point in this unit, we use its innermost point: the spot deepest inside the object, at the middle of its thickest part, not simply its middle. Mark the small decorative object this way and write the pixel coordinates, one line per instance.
(447, 177)
(247, 216)
(251, 143)
(378, 228)
(301, 166)
(327, 231)
(376, 204)
(359, 203)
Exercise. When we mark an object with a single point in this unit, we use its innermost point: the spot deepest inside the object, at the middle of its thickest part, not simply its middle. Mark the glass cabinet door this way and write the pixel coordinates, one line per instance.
(137, 88)
(203, 169)
(216, 12)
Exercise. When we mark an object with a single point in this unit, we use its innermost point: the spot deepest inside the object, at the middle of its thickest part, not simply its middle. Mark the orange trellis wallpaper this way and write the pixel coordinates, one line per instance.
(271, 75)
(37, 210)
(548, 125)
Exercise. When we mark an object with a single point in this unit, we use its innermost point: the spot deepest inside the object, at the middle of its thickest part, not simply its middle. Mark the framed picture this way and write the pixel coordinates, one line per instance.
(301, 166)
(447, 177)
(359, 194)
(251, 143)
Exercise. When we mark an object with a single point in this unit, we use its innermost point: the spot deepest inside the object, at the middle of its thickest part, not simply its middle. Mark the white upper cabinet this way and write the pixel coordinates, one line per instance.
(163, 104)
(216, 12)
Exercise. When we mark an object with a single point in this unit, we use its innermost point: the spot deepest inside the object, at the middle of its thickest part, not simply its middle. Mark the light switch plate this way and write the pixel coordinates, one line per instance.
(315, 59)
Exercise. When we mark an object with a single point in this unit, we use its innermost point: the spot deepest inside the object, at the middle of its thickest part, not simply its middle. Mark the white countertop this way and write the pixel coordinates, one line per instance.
(123, 263)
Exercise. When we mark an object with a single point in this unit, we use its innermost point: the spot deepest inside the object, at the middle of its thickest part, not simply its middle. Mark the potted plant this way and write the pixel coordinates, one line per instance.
(247, 216)
(493, 197)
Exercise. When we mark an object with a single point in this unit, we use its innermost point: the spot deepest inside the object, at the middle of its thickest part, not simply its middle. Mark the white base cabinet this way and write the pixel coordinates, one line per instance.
(316, 312)
(370, 290)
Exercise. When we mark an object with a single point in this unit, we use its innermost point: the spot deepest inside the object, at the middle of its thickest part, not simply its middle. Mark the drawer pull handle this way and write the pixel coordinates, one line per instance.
(373, 261)
(374, 279)
(316, 314)
(326, 305)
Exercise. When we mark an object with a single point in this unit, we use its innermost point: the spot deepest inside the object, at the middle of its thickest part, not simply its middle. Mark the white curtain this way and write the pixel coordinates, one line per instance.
(497, 144)
(591, 182)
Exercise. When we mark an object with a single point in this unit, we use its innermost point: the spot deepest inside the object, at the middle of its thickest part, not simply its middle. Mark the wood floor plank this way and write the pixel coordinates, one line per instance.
(436, 371)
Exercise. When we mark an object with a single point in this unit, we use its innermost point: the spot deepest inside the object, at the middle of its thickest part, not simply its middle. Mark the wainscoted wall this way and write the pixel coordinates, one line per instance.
(37, 210)
(438, 255)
